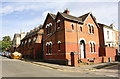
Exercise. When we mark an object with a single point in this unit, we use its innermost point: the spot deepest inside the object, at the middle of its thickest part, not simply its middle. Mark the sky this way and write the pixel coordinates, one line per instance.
(24, 16)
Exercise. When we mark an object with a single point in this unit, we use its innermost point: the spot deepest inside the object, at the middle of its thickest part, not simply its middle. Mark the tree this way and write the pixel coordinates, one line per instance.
(5, 43)
(6, 38)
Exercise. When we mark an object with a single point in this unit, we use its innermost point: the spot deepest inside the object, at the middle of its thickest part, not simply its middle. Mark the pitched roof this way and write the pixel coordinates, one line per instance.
(53, 15)
(79, 19)
(70, 17)
(105, 25)
(83, 17)
(32, 32)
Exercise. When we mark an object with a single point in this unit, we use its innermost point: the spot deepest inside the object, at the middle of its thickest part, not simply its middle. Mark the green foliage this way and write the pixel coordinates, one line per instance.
(5, 43)
(6, 38)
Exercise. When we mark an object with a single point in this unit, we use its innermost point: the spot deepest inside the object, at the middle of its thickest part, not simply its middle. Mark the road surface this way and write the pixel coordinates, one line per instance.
(18, 68)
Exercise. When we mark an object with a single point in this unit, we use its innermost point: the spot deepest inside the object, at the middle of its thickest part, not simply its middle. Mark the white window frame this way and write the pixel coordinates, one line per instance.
(58, 21)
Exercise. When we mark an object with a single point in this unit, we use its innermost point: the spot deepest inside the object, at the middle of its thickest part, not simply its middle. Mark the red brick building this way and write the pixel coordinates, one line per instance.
(64, 34)
(108, 36)
(31, 45)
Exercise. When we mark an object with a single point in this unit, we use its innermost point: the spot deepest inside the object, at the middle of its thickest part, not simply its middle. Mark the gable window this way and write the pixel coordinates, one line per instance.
(58, 24)
(92, 29)
(47, 30)
(89, 28)
(50, 26)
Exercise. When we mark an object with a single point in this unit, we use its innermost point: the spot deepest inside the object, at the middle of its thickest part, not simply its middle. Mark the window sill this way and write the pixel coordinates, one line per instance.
(58, 27)
(90, 33)
(92, 52)
(48, 53)
(59, 50)
(73, 30)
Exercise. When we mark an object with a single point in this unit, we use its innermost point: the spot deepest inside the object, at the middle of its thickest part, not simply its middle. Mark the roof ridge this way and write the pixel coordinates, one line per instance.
(70, 16)
(85, 14)
(53, 15)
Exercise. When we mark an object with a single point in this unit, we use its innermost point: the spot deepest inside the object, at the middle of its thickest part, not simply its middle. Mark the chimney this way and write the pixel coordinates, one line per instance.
(66, 11)
(112, 25)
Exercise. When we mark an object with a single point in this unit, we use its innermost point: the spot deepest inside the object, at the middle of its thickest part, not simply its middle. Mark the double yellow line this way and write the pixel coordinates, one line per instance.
(64, 69)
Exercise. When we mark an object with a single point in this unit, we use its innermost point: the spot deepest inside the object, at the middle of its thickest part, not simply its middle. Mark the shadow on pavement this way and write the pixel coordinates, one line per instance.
(107, 66)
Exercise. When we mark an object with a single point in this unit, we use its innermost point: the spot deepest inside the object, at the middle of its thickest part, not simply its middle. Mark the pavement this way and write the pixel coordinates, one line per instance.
(80, 68)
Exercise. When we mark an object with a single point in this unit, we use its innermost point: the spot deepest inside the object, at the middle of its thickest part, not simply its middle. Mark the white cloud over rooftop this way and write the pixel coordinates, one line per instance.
(33, 13)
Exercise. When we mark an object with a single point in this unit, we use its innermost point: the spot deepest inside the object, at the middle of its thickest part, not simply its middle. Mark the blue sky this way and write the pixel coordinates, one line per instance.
(25, 16)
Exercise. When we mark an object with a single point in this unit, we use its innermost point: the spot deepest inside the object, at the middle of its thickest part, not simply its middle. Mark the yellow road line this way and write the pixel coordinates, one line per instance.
(109, 67)
(67, 70)
(54, 68)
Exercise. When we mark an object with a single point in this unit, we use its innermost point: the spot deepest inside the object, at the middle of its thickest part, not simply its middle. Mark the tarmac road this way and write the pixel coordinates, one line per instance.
(18, 68)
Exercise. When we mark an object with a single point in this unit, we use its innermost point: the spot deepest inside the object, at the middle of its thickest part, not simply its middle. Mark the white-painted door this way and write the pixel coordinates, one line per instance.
(82, 50)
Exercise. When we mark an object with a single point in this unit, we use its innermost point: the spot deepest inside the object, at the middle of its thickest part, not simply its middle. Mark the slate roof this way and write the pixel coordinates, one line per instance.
(32, 32)
(105, 25)
(79, 19)
(83, 17)
(70, 17)
(53, 15)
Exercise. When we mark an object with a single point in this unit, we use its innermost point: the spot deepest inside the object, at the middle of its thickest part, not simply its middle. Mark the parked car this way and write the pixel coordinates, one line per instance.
(16, 55)
(3, 53)
(0, 53)
(9, 55)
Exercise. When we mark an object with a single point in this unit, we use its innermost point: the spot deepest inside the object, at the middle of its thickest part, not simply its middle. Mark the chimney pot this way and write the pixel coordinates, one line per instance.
(66, 11)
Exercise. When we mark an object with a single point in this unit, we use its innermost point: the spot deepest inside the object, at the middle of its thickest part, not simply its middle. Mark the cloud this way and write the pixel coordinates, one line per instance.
(9, 9)
(60, 0)
(104, 12)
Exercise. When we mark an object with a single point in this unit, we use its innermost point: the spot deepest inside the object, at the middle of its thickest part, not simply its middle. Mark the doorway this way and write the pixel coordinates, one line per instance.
(82, 49)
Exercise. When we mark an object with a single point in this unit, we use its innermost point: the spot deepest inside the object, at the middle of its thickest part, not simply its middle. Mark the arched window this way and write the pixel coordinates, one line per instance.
(89, 28)
(50, 26)
(93, 47)
(50, 48)
(58, 24)
(59, 46)
(49, 29)
(59, 43)
(47, 48)
(72, 26)
(81, 28)
(92, 29)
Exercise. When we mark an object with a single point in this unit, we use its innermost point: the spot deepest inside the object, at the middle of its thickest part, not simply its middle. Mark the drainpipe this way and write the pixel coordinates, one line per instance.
(77, 41)
(34, 53)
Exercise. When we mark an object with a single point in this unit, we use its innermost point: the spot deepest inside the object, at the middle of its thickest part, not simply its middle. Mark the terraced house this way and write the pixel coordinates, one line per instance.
(16, 41)
(64, 34)
(31, 44)
(109, 41)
